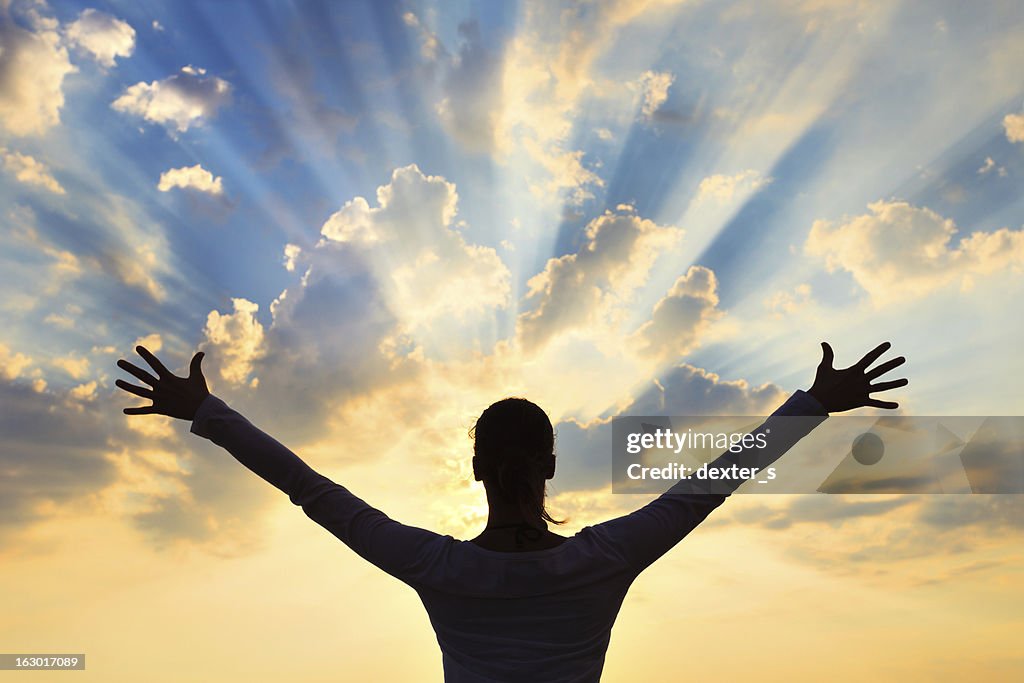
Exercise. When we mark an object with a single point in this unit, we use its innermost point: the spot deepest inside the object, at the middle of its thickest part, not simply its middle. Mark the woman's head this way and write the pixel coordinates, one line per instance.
(514, 453)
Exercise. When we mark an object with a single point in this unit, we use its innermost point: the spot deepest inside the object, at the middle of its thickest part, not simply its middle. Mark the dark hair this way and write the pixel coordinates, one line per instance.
(514, 445)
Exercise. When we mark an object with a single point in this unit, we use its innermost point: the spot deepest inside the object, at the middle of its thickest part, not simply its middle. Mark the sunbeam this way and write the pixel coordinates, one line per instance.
(378, 218)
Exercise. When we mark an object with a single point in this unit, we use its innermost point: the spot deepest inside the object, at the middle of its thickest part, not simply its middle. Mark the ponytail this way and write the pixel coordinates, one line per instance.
(516, 474)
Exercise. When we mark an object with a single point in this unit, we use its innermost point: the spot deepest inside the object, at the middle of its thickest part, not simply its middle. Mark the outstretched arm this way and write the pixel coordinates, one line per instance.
(400, 550)
(643, 536)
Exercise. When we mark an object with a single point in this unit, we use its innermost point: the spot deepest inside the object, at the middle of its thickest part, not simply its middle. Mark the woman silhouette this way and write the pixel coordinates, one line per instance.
(518, 602)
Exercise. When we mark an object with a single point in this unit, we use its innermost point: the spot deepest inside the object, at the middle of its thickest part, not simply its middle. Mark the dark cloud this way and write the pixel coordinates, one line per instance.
(48, 453)
(816, 509)
(584, 451)
(324, 346)
(689, 390)
(472, 91)
(995, 512)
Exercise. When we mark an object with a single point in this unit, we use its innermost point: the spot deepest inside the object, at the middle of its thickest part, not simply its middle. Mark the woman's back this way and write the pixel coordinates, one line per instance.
(534, 615)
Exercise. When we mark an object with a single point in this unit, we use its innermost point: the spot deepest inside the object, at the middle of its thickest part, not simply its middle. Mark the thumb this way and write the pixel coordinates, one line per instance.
(195, 368)
(827, 355)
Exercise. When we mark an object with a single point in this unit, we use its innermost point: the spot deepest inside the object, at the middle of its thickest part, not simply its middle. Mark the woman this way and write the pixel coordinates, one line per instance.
(518, 602)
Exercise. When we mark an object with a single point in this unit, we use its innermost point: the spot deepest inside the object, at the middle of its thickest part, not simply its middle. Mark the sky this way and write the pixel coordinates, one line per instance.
(377, 218)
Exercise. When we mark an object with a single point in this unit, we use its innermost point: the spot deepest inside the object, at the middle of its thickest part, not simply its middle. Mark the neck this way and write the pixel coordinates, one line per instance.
(501, 513)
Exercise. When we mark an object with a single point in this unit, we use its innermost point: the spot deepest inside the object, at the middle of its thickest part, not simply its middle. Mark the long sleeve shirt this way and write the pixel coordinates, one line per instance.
(542, 615)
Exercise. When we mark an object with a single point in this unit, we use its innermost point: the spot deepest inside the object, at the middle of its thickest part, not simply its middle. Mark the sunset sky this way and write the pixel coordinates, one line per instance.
(377, 218)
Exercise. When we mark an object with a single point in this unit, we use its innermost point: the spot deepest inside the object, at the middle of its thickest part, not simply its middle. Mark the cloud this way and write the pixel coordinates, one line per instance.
(12, 364)
(84, 392)
(872, 535)
(33, 64)
(103, 36)
(235, 339)
(724, 188)
(993, 511)
(566, 172)
(154, 342)
(681, 390)
(472, 87)
(324, 344)
(681, 317)
(901, 251)
(133, 248)
(291, 255)
(76, 366)
(185, 99)
(689, 390)
(49, 454)
(64, 322)
(29, 170)
(1013, 124)
(313, 120)
(430, 46)
(989, 166)
(124, 243)
(833, 510)
(191, 177)
(520, 98)
(654, 87)
(783, 303)
(428, 269)
(577, 290)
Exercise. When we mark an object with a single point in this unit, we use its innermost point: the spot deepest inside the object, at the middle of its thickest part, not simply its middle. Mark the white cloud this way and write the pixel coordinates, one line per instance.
(901, 251)
(783, 303)
(12, 364)
(64, 322)
(102, 35)
(154, 342)
(76, 366)
(724, 188)
(427, 269)
(1013, 124)
(185, 99)
(430, 46)
(654, 87)
(989, 166)
(681, 317)
(520, 102)
(577, 290)
(235, 339)
(84, 392)
(33, 64)
(291, 254)
(191, 177)
(29, 170)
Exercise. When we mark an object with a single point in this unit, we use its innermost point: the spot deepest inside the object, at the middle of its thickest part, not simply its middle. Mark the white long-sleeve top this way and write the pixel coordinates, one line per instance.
(538, 616)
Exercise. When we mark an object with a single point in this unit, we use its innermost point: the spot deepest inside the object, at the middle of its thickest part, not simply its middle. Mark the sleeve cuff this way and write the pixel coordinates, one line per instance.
(210, 406)
(811, 405)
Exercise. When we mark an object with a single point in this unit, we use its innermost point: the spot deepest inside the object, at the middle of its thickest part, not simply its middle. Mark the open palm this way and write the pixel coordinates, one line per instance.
(848, 388)
(171, 395)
